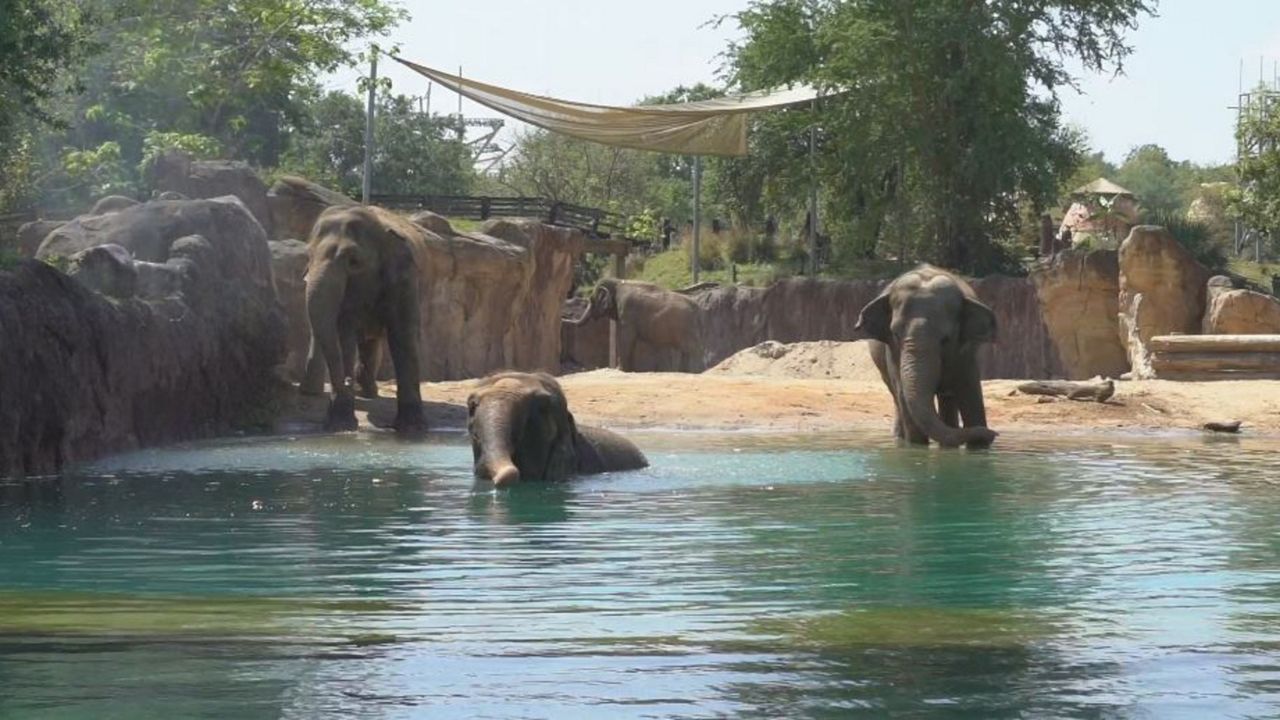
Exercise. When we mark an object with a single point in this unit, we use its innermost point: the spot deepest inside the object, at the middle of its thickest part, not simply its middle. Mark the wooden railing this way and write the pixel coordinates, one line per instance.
(594, 221)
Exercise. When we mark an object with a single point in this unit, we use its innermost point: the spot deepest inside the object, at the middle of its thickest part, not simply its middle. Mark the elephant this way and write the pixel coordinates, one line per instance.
(925, 329)
(521, 430)
(362, 286)
(664, 319)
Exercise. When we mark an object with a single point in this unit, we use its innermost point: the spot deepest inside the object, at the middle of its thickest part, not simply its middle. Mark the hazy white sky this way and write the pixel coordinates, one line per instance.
(1175, 92)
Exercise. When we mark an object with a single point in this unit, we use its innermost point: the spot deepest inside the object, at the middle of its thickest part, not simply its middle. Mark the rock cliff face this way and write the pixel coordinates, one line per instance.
(1078, 297)
(1162, 292)
(296, 203)
(167, 329)
(1239, 312)
(804, 309)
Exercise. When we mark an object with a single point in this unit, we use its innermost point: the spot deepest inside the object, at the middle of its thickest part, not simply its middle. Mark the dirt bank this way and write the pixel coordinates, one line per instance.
(716, 401)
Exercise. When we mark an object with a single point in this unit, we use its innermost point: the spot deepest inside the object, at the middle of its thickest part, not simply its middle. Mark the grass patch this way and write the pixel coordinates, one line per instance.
(671, 269)
(1258, 273)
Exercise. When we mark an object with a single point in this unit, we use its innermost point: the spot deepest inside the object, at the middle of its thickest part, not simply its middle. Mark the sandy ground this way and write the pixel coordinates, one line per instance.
(719, 401)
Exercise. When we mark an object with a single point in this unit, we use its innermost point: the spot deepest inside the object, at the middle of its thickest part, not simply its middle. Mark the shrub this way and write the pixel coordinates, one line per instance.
(1194, 235)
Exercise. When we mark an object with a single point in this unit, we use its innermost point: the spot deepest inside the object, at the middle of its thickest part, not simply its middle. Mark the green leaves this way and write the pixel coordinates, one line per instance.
(946, 119)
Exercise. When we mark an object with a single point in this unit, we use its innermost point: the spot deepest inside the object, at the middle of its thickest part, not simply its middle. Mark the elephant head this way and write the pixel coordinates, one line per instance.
(521, 429)
(603, 302)
(932, 323)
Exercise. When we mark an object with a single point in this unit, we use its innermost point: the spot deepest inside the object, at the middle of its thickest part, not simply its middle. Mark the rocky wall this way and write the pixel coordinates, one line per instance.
(166, 329)
(804, 309)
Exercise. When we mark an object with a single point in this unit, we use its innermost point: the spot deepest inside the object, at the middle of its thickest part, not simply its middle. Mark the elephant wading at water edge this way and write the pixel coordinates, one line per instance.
(665, 320)
(363, 287)
(926, 328)
(521, 429)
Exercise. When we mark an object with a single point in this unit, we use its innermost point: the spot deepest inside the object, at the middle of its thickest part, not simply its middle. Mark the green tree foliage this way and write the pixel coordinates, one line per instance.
(1163, 186)
(414, 153)
(232, 81)
(1257, 200)
(39, 40)
(943, 116)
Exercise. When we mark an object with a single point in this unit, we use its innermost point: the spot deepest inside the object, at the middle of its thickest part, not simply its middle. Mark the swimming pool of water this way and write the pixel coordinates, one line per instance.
(740, 576)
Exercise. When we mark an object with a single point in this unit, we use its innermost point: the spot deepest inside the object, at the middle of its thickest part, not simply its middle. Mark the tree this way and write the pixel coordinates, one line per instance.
(1257, 200)
(414, 153)
(209, 77)
(39, 41)
(942, 117)
(1163, 187)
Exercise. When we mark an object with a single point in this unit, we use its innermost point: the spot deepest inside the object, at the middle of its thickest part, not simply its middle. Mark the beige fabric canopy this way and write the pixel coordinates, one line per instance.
(707, 127)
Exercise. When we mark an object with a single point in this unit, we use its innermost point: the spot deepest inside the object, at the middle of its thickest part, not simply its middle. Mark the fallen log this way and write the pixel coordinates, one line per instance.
(1223, 427)
(1096, 391)
(1214, 361)
(1214, 343)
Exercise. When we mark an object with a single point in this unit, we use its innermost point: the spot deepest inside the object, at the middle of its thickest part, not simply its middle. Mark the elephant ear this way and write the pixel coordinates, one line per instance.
(876, 319)
(978, 324)
(563, 459)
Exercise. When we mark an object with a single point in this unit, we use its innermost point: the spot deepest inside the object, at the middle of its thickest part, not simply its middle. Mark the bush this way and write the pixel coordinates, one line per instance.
(1197, 237)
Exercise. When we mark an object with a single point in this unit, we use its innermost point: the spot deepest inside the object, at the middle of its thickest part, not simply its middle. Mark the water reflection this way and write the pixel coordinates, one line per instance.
(826, 576)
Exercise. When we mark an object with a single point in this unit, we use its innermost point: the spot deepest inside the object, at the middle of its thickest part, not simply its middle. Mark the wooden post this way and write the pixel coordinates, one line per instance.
(619, 272)
(697, 213)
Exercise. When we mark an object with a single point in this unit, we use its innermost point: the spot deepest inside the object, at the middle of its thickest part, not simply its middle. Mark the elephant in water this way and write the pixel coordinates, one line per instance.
(521, 429)
(664, 319)
(363, 286)
(926, 328)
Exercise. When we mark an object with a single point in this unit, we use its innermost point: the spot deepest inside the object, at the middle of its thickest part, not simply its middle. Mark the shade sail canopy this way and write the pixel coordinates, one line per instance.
(707, 127)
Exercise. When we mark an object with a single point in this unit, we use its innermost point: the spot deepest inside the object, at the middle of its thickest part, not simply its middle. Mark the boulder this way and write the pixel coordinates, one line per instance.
(296, 203)
(289, 269)
(112, 203)
(174, 171)
(1239, 312)
(1162, 292)
(31, 234)
(185, 347)
(1077, 295)
(437, 224)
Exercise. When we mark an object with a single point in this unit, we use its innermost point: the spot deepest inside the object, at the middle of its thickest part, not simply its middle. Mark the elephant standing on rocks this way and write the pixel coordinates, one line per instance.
(363, 286)
(926, 328)
(521, 429)
(664, 319)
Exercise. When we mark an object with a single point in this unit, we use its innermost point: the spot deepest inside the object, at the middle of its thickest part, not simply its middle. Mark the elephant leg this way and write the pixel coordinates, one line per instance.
(313, 380)
(367, 368)
(968, 398)
(342, 408)
(911, 432)
(949, 410)
(903, 426)
(402, 339)
(626, 349)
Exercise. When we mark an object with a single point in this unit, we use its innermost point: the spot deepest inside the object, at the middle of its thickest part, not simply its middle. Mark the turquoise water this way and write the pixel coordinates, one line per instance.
(747, 577)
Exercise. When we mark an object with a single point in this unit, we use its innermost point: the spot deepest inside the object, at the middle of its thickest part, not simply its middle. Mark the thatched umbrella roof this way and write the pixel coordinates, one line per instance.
(1101, 186)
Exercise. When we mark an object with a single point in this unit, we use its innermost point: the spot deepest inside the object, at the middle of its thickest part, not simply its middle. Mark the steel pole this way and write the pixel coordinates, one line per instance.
(813, 192)
(366, 184)
(697, 212)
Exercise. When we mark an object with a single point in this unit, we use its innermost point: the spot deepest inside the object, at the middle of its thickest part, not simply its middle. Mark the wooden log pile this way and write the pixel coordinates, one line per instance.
(1216, 357)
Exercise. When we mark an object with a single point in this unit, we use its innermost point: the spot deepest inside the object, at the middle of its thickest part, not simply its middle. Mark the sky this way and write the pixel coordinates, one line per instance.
(1176, 90)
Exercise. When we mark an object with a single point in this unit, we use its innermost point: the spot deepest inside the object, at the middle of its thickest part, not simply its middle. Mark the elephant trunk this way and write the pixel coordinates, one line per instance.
(493, 445)
(325, 289)
(584, 317)
(921, 370)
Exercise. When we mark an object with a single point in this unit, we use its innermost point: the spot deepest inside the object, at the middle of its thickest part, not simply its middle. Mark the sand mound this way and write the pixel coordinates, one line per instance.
(824, 359)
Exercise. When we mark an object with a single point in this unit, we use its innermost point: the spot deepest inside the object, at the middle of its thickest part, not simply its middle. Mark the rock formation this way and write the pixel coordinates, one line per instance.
(806, 309)
(1078, 297)
(296, 203)
(1162, 292)
(1239, 312)
(31, 234)
(168, 329)
(175, 171)
(288, 270)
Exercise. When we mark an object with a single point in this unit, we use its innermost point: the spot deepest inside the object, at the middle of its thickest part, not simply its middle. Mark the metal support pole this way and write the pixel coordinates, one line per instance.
(697, 212)
(366, 184)
(813, 192)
